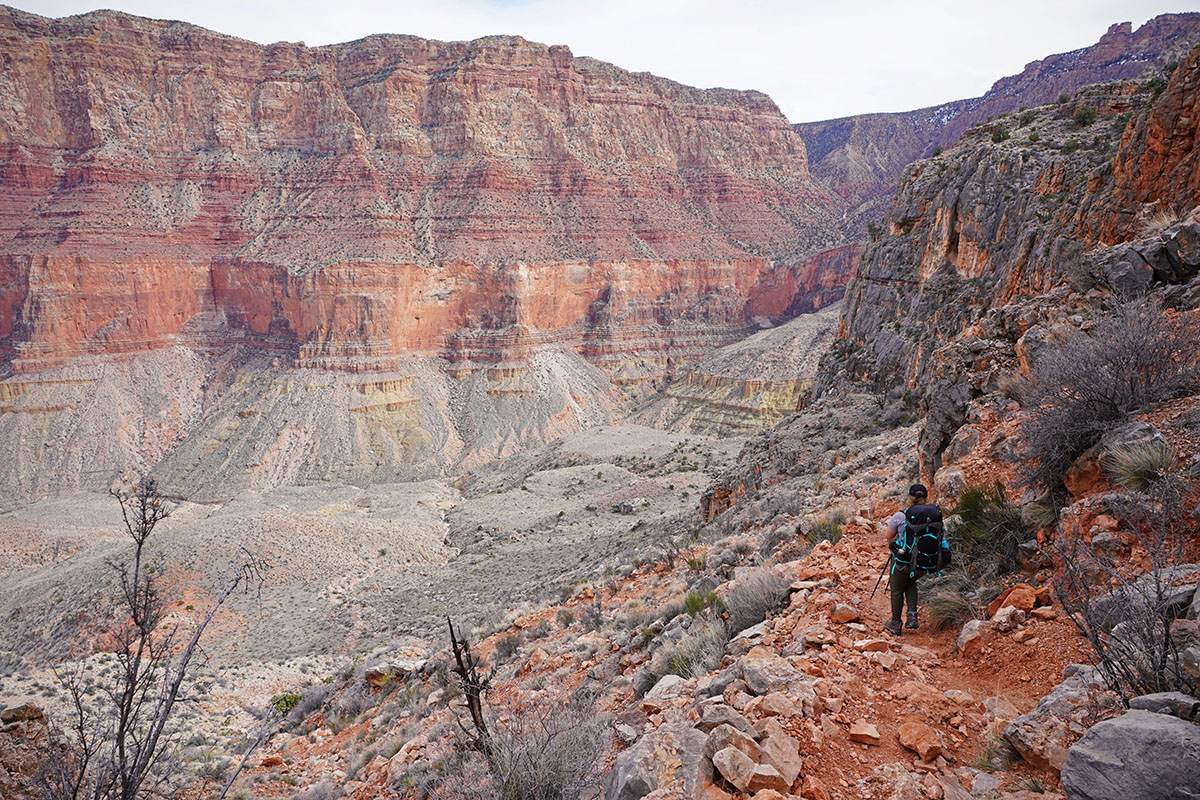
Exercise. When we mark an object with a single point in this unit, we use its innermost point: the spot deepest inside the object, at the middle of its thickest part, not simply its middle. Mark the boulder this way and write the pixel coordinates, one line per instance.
(764, 777)
(921, 739)
(864, 732)
(774, 704)
(714, 715)
(1008, 618)
(728, 736)
(1182, 245)
(972, 638)
(892, 782)
(671, 757)
(769, 674)
(783, 753)
(949, 482)
(814, 789)
(1139, 754)
(1129, 275)
(1108, 610)
(1042, 736)
(1022, 596)
(1177, 704)
(734, 766)
(842, 613)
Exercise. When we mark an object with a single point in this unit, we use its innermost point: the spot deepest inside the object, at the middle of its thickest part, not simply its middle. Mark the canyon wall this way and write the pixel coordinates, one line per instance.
(863, 157)
(1014, 236)
(347, 205)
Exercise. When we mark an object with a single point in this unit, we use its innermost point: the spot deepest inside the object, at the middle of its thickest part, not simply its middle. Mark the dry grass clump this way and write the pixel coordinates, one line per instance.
(995, 756)
(1161, 221)
(698, 653)
(1139, 465)
(949, 609)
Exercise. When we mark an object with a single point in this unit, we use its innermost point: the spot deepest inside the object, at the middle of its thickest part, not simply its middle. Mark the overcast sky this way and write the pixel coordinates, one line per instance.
(817, 60)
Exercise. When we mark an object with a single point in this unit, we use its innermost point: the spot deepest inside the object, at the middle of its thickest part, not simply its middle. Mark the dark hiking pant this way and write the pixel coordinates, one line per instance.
(904, 589)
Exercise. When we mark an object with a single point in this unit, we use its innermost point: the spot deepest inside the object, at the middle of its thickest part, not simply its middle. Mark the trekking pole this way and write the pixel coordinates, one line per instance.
(885, 566)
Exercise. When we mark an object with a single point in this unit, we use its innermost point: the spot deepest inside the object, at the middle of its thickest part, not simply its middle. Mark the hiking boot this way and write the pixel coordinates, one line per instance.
(912, 621)
(892, 626)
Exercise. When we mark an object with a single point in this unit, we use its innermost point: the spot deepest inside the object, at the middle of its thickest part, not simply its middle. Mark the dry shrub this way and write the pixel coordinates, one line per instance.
(753, 598)
(542, 748)
(1090, 383)
(1127, 614)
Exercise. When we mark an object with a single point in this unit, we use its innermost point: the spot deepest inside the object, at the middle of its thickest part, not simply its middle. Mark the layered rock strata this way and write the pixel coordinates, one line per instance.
(349, 204)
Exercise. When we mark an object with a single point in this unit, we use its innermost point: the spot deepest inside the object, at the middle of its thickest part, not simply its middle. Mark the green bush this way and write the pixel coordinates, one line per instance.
(284, 703)
(989, 531)
(825, 530)
(1071, 145)
(1034, 136)
(937, 151)
(696, 602)
(1026, 118)
(1001, 134)
(1085, 116)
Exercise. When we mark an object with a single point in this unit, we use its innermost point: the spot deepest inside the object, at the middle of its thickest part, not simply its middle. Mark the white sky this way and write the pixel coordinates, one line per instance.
(817, 60)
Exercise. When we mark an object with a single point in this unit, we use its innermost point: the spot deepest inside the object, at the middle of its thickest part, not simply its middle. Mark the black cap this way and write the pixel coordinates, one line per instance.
(918, 490)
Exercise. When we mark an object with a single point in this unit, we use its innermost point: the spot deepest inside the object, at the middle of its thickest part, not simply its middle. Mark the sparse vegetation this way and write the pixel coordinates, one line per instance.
(752, 598)
(1086, 386)
(697, 602)
(996, 755)
(124, 742)
(1000, 134)
(698, 652)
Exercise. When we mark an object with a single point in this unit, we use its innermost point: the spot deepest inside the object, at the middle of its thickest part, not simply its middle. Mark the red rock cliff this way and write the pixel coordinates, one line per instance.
(384, 196)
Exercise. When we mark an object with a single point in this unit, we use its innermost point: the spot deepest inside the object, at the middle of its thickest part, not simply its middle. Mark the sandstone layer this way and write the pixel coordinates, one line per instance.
(345, 205)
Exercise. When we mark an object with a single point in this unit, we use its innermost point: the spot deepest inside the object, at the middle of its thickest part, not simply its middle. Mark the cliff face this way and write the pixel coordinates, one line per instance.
(995, 245)
(350, 203)
(863, 157)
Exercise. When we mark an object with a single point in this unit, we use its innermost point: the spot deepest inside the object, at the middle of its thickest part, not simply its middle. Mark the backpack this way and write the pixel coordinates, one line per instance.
(922, 543)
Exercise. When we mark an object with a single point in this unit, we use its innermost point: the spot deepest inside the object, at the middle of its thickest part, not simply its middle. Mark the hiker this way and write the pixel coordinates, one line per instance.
(918, 547)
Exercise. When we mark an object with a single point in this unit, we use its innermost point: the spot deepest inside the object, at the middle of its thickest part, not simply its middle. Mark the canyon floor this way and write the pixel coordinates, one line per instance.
(381, 564)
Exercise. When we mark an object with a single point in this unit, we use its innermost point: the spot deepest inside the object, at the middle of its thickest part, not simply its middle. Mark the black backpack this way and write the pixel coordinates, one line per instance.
(924, 546)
